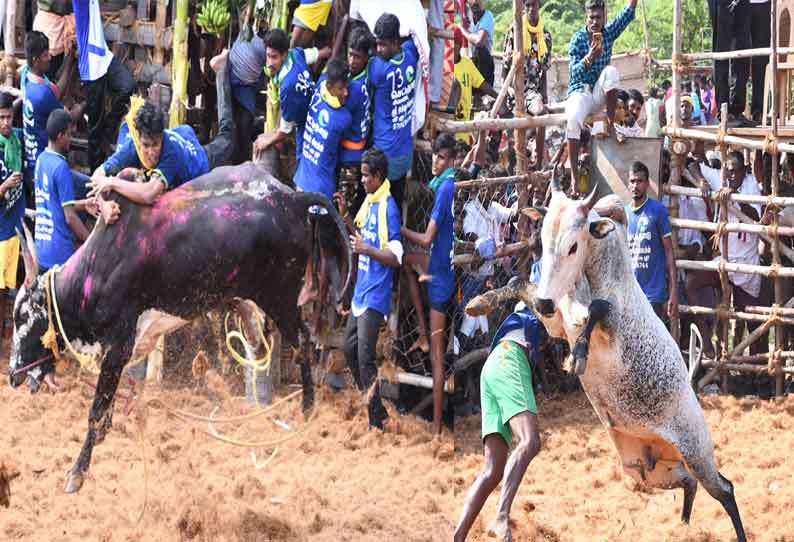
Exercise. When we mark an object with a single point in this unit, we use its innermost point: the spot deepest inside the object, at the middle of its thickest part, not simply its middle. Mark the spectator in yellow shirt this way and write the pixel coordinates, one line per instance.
(469, 78)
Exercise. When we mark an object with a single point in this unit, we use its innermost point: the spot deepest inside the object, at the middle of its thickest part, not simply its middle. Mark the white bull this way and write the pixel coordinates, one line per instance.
(630, 367)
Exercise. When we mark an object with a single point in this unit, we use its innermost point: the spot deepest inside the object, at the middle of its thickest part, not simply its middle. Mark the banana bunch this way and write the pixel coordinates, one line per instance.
(214, 16)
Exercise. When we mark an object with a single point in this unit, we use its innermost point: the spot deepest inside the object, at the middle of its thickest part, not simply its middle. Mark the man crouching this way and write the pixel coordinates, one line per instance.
(508, 407)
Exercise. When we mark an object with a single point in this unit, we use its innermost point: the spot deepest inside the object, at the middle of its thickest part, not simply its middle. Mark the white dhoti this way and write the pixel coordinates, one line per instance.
(582, 103)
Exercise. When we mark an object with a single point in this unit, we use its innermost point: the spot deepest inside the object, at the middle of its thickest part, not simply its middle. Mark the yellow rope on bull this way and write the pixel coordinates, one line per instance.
(256, 365)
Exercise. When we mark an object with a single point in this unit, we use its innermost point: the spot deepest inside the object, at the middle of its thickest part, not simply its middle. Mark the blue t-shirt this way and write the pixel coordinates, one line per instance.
(182, 157)
(525, 320)
(322, 138)
(647, 226)
(54, 190)
(13, 202)
(358, 104)
(393, 88)
(442, 282)
(296, 87)
(486, 23)
(374, 279)
(40, 101)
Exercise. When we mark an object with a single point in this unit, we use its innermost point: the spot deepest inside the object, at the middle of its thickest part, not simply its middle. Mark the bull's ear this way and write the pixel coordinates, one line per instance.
(601, 228)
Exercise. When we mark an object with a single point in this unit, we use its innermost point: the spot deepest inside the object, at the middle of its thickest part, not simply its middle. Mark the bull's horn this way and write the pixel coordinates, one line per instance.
(589, 202)
(28, 247)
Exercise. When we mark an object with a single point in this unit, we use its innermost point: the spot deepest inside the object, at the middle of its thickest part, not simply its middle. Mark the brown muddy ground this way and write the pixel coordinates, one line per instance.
(339, 482)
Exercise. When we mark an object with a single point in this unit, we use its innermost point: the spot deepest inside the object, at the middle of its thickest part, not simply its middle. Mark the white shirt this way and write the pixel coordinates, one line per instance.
(94, 55)
(485, 224)
(742, 247)
(692, 208)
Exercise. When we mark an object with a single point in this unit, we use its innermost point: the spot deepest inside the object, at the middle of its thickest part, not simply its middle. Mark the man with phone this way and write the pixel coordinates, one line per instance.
(592, 81)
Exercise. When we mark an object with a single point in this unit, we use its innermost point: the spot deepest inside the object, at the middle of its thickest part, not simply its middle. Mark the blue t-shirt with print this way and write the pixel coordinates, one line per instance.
(374, 279)
(54, 190)
(322, 139)
(393, 88)
(13, 202)
(358, 104)
(647, 226)
(40, 101)
(486, 23)
(295, 90)
(182, 157)
(442, 281)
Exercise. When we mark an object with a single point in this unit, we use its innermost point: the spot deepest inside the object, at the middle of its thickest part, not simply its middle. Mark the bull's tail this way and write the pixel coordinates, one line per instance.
(315, 198)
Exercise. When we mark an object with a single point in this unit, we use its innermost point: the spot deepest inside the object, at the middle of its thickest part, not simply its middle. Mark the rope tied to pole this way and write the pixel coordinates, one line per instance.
(715, 241)
(771, 145)
(774, 272)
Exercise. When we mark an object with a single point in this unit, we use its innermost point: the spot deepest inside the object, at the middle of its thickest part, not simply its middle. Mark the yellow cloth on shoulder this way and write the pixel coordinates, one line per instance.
(380, 196)
(135, 103)
(538, 31)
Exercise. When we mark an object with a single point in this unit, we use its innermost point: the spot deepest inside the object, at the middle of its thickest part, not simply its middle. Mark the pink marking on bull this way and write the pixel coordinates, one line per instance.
(227, 212)
(87, 286)
(233, 274)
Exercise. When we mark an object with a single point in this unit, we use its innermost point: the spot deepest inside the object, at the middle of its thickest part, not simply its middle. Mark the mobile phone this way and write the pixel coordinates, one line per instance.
(598, 39)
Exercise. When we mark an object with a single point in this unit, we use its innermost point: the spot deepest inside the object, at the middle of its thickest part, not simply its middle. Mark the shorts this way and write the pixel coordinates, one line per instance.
(9, 258)
(312, 16)
(505, 389)
(445, 307)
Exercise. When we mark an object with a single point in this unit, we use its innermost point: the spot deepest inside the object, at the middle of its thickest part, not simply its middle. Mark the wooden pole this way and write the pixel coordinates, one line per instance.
(531, 178)
(731, 227)
(678, 156)
(520, 124)
(727, 313)
(522, 164)
(725, 286)
(179, 65)
(737, 141)
(686, 58)
(161, 15)
(739, 198)
(10, 41)
(776, 246)
(731, 267)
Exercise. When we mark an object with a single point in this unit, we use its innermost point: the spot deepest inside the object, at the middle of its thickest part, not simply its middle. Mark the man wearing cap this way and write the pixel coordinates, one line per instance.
(592, 81)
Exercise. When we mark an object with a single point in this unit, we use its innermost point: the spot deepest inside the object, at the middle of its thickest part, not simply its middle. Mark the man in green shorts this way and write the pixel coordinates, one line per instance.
(508, 408)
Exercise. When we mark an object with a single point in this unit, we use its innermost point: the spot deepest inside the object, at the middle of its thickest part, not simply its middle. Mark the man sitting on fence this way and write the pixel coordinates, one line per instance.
(742, 247)
(593, 82)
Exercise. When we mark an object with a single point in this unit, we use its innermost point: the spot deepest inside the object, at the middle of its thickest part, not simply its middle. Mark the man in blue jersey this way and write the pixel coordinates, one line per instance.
(438, 269)
(508, 408)
(102, 74)
(289, 69)
(592, 82)
(651, 245)
(41, 97)
(328, 120)
(375, 237)
(58, 225)
(170, 157)
(12, 201)
(392, 79)
(359, 46)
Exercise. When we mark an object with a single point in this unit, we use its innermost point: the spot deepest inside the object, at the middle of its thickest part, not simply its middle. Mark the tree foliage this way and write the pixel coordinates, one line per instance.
(564, 17)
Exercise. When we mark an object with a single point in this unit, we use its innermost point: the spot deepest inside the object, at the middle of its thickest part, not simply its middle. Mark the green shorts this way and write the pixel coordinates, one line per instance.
(505, 389)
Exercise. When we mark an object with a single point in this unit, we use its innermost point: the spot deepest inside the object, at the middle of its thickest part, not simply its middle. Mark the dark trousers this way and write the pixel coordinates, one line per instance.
(361, 339)
(483, 60)
(760, 36)
(730, 33)
(220, 149)
(119, 85)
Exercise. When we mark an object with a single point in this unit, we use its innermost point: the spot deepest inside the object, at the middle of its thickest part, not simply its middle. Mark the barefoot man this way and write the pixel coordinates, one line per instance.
(508, 408)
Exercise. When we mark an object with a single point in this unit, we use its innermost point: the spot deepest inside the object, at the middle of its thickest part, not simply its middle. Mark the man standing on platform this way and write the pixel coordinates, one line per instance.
(480, 36)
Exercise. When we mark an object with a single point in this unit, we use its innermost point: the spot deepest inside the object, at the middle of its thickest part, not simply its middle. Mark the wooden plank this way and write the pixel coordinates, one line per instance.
(612, 160)
(141, 33)
(760, 132)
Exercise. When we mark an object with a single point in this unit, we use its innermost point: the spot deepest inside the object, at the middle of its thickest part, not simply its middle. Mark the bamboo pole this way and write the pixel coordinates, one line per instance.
(686, 58)
(517, 123)
(776, 246)
(529, 178)
(738, 198)
(677, 159)
(179, 63)
(732, 267)
(737, 141)
(522, 164)
(500, 99)
(10, 35)
(782, 311)
(507, 250)
(728, 314)
(160, 18)
(725, 286)
(732, 227)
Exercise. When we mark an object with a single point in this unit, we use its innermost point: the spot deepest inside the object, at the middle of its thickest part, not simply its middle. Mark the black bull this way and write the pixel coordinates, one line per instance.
(236, 232)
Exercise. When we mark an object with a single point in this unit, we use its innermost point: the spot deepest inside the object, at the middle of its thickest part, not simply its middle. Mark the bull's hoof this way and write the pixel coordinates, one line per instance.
(479, 305)
(73, 483)
(579, 366)
(579, 354)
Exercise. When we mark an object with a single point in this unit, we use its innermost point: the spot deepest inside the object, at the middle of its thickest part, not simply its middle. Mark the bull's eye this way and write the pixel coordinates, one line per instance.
(573, 249)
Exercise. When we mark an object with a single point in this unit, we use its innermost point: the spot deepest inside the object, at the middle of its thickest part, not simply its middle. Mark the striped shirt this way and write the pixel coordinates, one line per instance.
(580, 74)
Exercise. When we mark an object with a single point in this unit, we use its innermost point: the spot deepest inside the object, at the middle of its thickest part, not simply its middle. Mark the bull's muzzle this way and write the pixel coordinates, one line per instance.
(544, 306)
